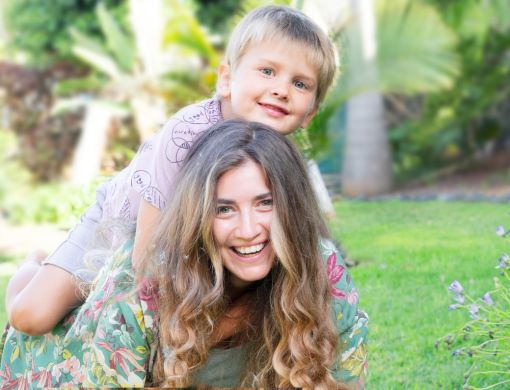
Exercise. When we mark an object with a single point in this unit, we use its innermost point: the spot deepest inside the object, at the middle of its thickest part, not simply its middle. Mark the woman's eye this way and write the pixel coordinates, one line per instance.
(266, 203)
(300, 85)
(222, 209)
(266, 71)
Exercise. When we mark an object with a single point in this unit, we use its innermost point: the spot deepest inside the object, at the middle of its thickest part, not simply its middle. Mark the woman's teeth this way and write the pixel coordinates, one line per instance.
(249, 250)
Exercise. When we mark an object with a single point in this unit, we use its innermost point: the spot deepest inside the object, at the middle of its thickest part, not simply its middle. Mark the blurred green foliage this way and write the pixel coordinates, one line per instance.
(216, 14)
(459, 47)
(416, 54)
(40, 29)
(469, 118)
(57, 203)
(21, 202)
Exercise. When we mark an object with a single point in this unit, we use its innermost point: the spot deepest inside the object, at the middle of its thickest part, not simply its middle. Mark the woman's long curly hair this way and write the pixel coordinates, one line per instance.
(295, 342)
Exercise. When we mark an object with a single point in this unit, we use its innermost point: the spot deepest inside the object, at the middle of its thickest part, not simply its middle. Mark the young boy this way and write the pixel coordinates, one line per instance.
(277, 69)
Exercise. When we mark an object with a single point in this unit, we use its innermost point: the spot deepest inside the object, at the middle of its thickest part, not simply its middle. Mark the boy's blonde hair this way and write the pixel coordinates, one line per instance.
(279, 22)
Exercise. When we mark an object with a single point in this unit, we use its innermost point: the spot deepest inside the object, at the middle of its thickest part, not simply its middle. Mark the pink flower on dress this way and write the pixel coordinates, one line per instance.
(71, 365)
(148, 293)
(335, 272)
(352, 297)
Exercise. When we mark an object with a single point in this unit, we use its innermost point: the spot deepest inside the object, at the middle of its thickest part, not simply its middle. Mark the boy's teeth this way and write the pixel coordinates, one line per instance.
(248, 250)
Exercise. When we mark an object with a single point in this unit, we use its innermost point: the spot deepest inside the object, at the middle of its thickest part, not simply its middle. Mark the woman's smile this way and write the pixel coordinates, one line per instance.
(242, 224)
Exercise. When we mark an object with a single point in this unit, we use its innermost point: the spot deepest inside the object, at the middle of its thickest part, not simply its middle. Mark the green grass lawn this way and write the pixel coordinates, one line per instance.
(409, 253)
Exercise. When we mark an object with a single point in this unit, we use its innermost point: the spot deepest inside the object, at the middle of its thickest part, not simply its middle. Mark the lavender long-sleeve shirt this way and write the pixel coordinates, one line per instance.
(149, 176)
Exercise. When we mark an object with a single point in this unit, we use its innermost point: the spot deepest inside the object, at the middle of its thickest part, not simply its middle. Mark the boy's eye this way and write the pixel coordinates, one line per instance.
(300, 85)
(266, 71)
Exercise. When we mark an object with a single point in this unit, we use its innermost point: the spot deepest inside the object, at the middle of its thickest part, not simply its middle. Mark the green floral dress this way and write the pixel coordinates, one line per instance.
(110, 340)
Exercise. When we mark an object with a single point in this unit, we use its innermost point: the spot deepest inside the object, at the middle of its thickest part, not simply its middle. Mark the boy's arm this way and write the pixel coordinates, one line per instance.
(146, 222)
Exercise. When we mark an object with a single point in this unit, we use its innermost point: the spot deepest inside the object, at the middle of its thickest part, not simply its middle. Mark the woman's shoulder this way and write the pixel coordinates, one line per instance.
(343, 290)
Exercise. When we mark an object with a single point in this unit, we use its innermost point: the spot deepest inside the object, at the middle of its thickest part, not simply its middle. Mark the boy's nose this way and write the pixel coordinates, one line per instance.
(280, 90)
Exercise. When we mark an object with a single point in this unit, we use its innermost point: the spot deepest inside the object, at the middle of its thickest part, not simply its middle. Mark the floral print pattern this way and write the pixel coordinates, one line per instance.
(109, 340)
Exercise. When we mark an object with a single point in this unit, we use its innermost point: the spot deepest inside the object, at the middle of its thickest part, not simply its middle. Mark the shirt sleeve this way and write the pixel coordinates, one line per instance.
(69, 255)
(351, 322)
(159, 159)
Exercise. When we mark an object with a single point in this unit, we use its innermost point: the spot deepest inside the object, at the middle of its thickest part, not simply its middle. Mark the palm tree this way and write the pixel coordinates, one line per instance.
(140, 73)
(367, 161)
(391, 46)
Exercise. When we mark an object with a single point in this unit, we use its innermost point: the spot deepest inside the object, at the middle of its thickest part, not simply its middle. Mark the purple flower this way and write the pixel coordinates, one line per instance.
(453, 307)
(503, 261)
(500, 231)
(473, 311)
(488, 299)
(456, 287)
(459, 298)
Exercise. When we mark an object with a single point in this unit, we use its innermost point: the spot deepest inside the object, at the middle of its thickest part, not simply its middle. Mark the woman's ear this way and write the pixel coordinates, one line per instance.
(223, 84)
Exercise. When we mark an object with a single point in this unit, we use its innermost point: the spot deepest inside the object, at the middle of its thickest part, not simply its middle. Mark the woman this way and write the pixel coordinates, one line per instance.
(243, 231)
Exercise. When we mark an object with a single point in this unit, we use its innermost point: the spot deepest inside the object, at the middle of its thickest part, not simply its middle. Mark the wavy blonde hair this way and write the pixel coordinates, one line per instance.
(295, 342)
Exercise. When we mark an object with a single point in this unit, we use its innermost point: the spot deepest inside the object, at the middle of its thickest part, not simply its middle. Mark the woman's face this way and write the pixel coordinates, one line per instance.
(242, 224)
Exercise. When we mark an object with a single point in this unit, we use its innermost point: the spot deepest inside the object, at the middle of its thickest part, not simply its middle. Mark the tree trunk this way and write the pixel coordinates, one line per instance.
(367, 158)
(88, 154)
(366, 169)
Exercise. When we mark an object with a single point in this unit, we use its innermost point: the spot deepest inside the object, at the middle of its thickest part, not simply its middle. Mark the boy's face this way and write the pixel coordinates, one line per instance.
(272, 84)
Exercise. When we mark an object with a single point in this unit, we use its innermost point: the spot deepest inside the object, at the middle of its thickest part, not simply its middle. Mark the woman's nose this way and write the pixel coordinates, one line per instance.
(248, 227)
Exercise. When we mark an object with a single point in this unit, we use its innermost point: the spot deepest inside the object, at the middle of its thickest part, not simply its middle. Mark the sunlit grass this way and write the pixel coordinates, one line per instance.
(409, 253)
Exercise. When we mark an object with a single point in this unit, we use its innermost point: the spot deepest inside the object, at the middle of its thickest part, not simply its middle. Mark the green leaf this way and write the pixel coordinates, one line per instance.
(41, 348)
(94, 54)
(15, 354)
(184, 29)
(72, 86)
(119, 42)
(416, 53)
(416, 50)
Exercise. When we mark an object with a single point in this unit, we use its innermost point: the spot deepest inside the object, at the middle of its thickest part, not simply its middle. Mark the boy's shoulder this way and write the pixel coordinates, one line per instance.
(206, 112)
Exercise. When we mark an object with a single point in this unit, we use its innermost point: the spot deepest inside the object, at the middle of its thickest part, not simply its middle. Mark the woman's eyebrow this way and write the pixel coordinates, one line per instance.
(263, 196)
(229, 201)
(225, 201)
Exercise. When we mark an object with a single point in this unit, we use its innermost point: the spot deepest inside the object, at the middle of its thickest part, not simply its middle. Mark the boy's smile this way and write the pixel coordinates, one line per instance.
(273, 83)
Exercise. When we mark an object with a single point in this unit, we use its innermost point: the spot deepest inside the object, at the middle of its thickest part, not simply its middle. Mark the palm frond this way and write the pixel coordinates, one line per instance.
(416, 53)
(94, 54)
(119, 43)
(184, 29)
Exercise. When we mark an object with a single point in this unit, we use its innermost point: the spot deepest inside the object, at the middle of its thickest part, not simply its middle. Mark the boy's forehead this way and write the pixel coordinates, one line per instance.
(269, 47)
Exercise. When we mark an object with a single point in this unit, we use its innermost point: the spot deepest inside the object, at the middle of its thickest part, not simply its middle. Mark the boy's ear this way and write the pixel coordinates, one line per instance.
(309, 117)
(223, 84)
